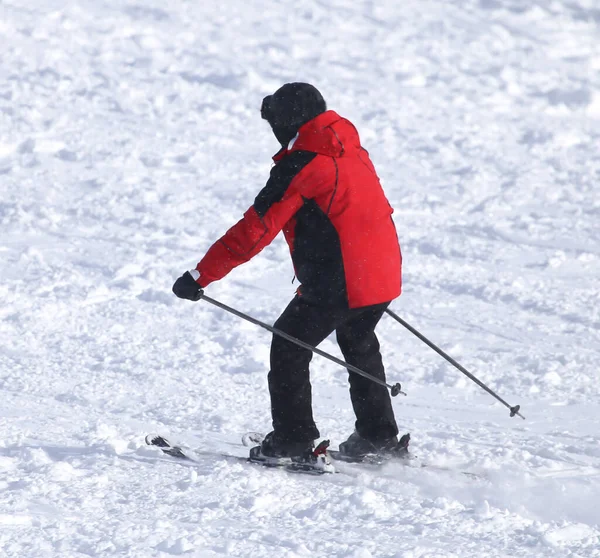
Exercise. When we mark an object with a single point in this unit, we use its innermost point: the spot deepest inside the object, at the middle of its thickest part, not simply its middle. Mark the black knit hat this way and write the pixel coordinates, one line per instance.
(291, 106)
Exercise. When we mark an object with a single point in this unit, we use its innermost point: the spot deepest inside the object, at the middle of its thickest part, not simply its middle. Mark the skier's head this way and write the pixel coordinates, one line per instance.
(291, 106)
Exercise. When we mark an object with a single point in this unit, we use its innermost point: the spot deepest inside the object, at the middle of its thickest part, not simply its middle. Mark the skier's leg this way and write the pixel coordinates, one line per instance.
(289, 380)
(371, 402)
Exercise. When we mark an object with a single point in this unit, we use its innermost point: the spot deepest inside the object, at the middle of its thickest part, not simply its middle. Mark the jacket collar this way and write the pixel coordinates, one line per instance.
(328, 134)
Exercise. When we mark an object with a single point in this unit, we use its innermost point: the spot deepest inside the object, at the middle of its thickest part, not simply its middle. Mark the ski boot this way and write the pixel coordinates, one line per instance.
(294, 456)
(358, 449)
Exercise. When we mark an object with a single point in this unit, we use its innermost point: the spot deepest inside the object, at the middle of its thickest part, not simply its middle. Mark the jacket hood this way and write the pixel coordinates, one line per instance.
(328, 134)
(290, 107)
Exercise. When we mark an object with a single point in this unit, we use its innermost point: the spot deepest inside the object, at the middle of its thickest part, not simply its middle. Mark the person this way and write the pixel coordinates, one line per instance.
(325, 195)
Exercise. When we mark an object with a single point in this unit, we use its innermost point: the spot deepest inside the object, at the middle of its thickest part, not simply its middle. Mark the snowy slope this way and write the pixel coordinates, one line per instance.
(130, 138)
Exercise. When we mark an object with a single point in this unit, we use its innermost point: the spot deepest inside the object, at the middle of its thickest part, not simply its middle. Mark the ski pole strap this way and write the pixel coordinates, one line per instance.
(394, 389)
(514, 410)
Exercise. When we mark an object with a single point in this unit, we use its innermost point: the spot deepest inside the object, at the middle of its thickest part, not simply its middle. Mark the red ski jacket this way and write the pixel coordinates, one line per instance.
(325, 195)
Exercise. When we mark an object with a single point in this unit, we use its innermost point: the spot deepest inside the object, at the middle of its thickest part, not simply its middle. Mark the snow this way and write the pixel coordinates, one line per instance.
(130, 139)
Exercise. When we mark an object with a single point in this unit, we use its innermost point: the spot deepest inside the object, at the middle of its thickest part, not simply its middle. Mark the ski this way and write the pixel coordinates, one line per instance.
(329, 461)
(375, 462)
(315, 464)
(165, 446)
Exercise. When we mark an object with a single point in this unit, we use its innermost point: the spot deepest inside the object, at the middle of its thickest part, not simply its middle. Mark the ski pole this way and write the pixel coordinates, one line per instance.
(513, 410)
(394, 390)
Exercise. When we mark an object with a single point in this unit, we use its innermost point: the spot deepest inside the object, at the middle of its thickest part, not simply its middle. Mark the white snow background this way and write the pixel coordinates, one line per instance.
(130, 139)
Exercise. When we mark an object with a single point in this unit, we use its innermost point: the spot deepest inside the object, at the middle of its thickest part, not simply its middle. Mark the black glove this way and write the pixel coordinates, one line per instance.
(186, 287)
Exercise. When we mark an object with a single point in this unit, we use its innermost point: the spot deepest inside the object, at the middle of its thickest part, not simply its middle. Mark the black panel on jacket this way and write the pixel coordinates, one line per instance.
(318, 256)
(281, 177)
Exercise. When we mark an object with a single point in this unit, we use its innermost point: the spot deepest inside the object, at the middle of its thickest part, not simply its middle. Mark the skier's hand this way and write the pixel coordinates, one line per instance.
(186, 287)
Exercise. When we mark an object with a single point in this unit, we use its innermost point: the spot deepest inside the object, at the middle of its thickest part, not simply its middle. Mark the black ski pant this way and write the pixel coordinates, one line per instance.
(289, 379)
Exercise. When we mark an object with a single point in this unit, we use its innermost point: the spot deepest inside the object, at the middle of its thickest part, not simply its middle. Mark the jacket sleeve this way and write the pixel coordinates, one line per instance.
(274, 206)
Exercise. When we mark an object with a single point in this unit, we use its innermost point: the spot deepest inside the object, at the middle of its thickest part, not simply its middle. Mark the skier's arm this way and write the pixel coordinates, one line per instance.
(244, 240)
(274, 206)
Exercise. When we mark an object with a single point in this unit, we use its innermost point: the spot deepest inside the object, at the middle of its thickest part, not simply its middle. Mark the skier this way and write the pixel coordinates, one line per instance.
(325, 195)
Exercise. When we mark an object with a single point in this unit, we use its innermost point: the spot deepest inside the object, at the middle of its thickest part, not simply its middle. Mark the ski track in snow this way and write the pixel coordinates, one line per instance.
(130, 139)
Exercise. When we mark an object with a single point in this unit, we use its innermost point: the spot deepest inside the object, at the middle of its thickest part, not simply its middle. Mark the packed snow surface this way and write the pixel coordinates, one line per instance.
(130, 139)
